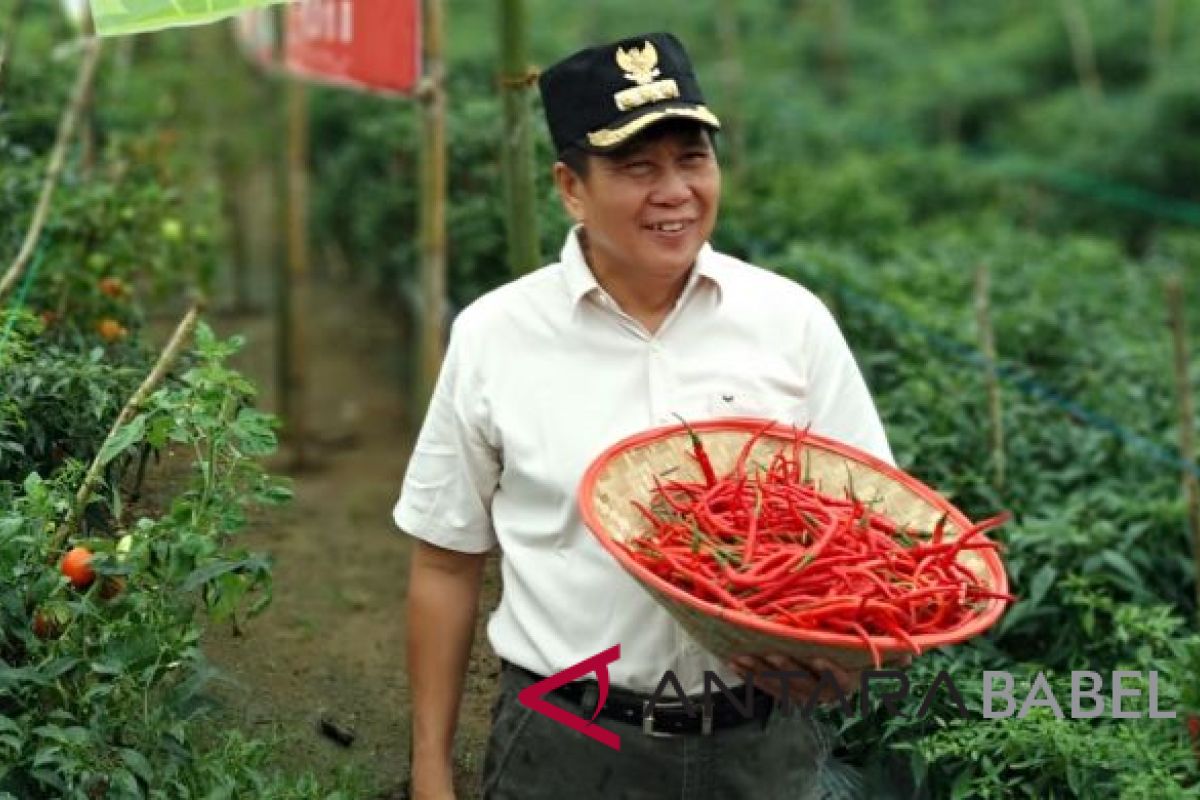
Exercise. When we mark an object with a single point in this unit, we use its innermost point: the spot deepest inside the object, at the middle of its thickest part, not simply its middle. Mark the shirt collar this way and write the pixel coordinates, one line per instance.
(581, 281)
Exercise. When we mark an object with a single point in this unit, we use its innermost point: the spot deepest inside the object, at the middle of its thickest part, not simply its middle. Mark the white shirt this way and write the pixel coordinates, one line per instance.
(544, 373)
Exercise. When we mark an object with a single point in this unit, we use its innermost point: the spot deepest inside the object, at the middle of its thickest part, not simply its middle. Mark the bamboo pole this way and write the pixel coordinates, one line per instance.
(516, 78)
(1187, 416)
(212, 52)
(165, 359)
(987, 343)
(292, 332)
(733, 81)
(234, 208)
(8, 42)
(833, 52)
(87, 115)
(1160, 41)
(433, 204)
(1083, 48)
(58, 157)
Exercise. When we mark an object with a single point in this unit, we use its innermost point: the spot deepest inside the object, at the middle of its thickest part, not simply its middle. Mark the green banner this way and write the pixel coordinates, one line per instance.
(116, 17)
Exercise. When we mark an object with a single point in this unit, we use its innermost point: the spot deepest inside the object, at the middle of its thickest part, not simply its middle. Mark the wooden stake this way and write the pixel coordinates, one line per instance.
(987, 343)
(87, 114)
(293, 392)
(1164, 23)
(8, 41)
(516, 78)
(58, 157)
(1187, 431)
(833, 51)
(165, 359)
(213, 53)
(729, 37)
(1083, 49)
(433, 205)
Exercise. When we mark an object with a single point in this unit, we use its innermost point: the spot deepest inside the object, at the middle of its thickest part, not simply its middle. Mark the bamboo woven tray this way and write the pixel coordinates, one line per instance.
(625, 472)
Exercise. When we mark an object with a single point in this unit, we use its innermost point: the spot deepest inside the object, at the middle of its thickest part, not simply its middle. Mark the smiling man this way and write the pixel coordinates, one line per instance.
(639, 320)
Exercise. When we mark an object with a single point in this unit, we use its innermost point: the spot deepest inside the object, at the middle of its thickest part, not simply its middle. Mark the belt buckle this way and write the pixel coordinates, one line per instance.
(648, 723)
(706, 721)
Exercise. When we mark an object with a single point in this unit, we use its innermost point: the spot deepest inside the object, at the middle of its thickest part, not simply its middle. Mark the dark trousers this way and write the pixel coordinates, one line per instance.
(531, 757)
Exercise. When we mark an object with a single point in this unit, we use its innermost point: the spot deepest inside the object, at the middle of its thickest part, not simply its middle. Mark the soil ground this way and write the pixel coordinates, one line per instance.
(331, 645)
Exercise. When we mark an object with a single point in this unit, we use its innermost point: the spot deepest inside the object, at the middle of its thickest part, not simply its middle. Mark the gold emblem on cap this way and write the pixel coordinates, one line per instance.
(640, 65)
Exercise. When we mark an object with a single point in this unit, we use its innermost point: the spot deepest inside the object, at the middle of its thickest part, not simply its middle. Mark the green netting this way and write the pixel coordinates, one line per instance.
(116, 17)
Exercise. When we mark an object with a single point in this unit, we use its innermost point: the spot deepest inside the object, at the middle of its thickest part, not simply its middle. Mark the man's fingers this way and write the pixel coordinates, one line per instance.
(846, 678)
(778, 675)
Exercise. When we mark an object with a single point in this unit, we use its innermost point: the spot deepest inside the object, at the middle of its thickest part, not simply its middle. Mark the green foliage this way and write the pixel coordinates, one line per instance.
(889, 150)
(104, 688)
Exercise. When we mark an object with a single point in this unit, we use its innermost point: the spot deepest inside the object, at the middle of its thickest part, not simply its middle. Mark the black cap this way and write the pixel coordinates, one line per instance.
(601, 96)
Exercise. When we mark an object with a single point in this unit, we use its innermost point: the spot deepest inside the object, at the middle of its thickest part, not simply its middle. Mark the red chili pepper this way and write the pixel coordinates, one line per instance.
(706, 467)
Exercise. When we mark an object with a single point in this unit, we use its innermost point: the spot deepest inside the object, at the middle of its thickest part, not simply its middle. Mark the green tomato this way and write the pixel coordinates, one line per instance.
(171, 229)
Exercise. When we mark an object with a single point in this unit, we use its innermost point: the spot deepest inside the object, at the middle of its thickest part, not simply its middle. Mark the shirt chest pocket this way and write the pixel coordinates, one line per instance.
(742, 401)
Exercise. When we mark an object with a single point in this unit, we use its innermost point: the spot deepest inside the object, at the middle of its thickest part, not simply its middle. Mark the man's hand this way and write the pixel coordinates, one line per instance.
(805, 677)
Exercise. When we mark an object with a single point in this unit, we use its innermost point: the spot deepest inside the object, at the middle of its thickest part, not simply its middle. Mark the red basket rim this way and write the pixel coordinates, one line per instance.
(973, 627)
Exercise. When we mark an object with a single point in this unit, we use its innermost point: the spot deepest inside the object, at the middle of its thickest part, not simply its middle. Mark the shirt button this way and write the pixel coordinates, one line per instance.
(655, 347)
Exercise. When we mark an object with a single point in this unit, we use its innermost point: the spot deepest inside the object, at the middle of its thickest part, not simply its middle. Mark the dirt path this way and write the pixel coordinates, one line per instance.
(332, 642)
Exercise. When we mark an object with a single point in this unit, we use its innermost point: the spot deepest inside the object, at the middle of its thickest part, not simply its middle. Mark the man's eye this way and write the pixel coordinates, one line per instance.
(638, 167)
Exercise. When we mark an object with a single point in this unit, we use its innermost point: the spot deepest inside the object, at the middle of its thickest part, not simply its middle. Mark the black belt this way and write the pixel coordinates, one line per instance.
(671, 717)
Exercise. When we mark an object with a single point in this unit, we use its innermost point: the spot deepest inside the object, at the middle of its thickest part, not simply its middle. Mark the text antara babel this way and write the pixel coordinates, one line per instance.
(1001, 699)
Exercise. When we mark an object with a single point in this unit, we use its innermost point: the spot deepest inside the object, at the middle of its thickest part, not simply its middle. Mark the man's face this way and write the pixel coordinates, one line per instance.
(648, 208)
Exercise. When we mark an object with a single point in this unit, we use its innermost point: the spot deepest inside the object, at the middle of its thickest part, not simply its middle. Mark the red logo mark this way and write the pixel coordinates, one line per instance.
(531, 696)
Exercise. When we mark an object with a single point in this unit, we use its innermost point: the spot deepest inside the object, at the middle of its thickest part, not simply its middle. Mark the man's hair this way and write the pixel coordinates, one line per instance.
(576, 157)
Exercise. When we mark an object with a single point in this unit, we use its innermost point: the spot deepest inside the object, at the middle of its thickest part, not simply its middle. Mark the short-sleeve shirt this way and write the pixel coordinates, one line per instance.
(544, 373)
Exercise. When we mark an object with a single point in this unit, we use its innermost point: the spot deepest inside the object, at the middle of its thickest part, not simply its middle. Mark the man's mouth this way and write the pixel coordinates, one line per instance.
(674, 226)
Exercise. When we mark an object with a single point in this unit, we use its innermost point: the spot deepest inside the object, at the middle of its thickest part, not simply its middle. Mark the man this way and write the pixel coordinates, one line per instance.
(639, 320)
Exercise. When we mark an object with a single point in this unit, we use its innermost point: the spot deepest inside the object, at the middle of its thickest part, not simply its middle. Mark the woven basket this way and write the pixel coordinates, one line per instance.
(625, 472)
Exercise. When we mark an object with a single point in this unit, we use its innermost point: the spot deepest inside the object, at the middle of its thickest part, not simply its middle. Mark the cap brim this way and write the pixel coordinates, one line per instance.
(616, 135)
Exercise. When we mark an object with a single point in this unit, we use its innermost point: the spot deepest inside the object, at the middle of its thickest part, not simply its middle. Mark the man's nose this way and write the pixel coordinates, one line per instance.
(672, 188)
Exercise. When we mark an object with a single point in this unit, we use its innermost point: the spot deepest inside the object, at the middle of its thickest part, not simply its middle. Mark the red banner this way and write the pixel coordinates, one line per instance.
(365, 44)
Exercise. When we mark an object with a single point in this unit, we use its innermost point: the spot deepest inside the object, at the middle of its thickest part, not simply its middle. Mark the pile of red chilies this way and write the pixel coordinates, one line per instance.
(767, 544)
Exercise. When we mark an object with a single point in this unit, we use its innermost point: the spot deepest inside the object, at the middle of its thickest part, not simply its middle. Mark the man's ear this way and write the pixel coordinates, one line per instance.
(569, 186)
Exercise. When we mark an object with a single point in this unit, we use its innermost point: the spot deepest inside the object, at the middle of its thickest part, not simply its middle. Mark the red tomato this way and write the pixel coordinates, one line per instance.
(45, 626)
(113, 287)
(110, 330)
(76, 565)
(111, 587)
